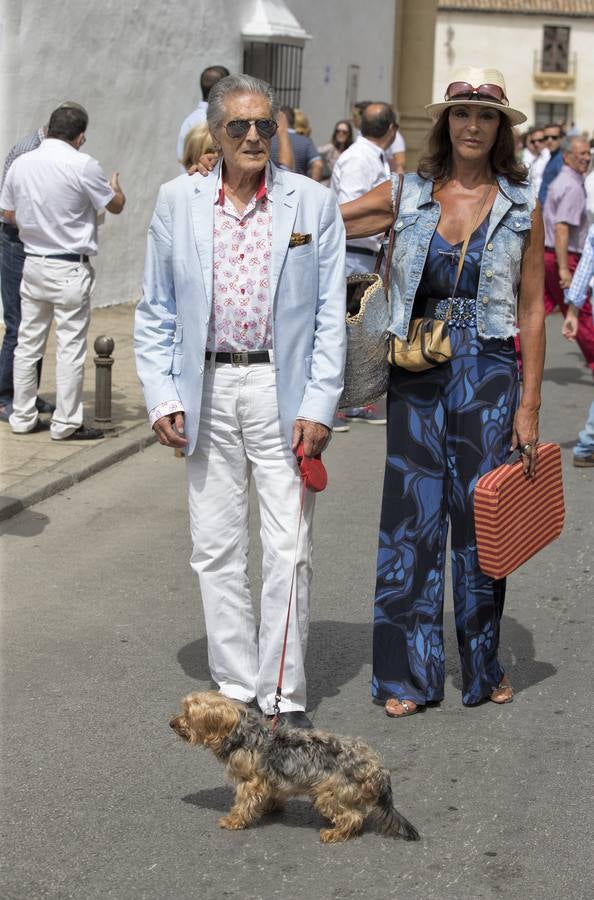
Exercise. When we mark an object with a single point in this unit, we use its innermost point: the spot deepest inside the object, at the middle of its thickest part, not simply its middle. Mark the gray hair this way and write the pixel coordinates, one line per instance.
(237, 84)
(569, 140)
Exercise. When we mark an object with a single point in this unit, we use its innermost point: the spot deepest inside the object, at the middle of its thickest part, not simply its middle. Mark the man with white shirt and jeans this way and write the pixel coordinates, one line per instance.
(362, 167)
(53, 195)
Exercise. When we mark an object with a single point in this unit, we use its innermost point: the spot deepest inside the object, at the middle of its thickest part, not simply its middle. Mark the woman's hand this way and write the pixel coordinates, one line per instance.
(205, 164)
(525, 437)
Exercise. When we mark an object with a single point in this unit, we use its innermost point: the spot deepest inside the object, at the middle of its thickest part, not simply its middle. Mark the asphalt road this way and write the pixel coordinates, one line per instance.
(102, 635)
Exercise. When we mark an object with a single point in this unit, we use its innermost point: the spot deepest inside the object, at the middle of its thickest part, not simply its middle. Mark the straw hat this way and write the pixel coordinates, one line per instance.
(491, 80)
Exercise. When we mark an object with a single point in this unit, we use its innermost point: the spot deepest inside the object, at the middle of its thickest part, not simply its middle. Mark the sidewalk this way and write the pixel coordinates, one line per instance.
(33, 467)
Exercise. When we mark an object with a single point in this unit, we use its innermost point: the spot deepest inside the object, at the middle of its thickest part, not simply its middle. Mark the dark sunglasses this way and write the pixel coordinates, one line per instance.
(552, 137)
(238, 128)
(462, 90)
(538, 140)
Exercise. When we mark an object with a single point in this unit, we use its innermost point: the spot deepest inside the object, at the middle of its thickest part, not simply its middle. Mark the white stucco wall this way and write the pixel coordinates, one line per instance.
(135, 64)
(509, 43)
(344, 32)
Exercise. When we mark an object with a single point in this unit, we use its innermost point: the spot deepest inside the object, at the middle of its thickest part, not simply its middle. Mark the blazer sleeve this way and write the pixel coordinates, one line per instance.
(324, 388)
(155, 322)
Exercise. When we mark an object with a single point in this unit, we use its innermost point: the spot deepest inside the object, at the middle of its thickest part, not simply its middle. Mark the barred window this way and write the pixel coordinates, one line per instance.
(279, 65)
(555, 49)
(545, 113)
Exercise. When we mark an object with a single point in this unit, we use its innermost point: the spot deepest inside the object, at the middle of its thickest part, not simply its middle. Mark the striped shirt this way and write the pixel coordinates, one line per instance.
(577, 291)
(30, 142)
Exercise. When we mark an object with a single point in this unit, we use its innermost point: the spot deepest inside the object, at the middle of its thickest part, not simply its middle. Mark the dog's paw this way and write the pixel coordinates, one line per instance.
(231, 823)
(332, 836)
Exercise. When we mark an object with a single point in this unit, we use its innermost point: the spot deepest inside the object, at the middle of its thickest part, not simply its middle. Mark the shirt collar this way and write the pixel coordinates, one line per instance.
(376, 149)
(264, 187)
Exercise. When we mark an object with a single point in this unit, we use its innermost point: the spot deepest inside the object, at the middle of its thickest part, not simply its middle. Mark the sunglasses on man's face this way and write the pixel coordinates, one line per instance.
(238, 128)
(462, 90)
(552, 137)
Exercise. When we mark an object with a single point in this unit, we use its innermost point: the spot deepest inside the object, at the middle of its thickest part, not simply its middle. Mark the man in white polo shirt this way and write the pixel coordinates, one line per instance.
(53, 195)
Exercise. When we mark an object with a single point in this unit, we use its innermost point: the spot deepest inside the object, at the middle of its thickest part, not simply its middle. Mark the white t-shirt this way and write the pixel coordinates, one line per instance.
(398, 146)
(55, 193)
(360, 168)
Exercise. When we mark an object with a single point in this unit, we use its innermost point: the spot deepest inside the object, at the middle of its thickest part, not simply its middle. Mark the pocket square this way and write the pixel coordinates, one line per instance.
(298, 240)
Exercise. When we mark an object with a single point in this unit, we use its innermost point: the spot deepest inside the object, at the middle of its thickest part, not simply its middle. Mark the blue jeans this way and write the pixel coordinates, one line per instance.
(12, 260)
(585, 444)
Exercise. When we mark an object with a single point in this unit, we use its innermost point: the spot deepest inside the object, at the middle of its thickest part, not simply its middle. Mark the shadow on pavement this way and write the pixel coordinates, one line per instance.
(338, 650)
(563, 375)
(25, 524)
(516, 654)
(298, 813)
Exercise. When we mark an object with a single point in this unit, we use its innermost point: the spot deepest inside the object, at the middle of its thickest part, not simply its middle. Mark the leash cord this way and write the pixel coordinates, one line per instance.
(281, 671)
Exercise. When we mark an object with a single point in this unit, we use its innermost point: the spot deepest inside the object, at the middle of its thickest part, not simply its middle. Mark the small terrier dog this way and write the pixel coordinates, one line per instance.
(343, 777)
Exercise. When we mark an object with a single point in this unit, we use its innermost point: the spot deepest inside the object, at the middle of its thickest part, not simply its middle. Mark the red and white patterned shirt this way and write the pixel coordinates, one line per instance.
(241, 315)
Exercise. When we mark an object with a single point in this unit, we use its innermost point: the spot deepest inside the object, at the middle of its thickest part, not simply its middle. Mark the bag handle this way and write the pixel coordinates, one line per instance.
(391, 235)
(465, 247)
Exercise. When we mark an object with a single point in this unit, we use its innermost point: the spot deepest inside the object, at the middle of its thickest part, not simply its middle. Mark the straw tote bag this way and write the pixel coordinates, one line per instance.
(367, 369)
(515, 516)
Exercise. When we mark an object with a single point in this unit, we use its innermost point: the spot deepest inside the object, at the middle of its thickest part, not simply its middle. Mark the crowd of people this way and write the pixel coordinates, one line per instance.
(241, 344)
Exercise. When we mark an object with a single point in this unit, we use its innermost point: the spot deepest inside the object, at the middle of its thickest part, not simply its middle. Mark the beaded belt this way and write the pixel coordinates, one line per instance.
(463, 312)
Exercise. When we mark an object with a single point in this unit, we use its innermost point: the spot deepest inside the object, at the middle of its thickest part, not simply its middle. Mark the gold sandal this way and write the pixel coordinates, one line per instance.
(503, 693)
(406, 706)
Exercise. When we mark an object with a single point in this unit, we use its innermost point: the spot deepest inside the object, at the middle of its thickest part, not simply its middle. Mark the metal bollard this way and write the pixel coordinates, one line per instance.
(103, 362)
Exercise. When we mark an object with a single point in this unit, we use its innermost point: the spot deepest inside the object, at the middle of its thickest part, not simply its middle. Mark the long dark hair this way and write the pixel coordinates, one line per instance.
(349, 140)
(436, 162)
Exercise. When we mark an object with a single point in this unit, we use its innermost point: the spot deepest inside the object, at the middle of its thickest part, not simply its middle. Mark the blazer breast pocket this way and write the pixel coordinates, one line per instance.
(300, 252)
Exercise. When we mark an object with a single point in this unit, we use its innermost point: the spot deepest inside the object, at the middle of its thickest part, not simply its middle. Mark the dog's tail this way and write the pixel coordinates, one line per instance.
(389, 820)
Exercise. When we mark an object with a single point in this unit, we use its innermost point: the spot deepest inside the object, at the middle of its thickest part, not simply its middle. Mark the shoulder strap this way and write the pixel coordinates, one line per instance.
(390, 234)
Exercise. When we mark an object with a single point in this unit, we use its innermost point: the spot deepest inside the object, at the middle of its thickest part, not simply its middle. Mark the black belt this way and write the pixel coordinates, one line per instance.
(241, 357)
(364, 250)
(69, 257)
(11, 231)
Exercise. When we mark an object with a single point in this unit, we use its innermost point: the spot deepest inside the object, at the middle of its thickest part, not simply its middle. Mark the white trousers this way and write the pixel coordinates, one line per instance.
(52, 289)
(240, 435)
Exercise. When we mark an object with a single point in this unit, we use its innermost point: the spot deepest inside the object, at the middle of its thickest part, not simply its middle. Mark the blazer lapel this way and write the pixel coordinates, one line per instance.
(284, 212)
(202, 211)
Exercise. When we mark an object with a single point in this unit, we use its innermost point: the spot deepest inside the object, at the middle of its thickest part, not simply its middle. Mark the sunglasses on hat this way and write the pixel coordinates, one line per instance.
(462, 90)
(238, 128)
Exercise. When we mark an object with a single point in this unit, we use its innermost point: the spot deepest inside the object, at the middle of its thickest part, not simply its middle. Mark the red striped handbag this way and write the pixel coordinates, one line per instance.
(515, 516)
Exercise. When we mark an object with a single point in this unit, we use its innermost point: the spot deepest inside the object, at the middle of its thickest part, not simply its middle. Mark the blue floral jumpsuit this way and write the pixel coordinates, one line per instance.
(446, 427)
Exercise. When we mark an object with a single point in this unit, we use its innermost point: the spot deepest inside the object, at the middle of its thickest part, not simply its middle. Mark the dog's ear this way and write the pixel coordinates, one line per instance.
(219, 717)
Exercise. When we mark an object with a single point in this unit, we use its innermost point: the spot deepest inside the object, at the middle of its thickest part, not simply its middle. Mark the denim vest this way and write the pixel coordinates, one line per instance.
(509, 225)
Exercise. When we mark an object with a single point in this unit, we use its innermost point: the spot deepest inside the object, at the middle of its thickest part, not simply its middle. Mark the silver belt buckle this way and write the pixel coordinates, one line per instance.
(240, 358)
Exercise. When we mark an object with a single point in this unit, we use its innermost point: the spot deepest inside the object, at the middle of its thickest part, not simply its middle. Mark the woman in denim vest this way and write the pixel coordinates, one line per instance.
(450, 424)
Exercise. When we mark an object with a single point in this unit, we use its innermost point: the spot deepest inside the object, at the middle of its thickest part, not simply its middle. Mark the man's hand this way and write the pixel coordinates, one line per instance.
(205, 164)
(570, 324)
(314, 435)
(170, 430)
(564, 277)
(117, 203)
(114, 183)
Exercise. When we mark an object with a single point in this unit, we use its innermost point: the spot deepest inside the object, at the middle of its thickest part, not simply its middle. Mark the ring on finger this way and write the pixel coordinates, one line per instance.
(526, 449)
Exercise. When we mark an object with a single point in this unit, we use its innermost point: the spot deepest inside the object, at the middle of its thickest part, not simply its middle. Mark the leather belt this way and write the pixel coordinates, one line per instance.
(11, 231)
(366, 251)
(69, 257)
(241, 357)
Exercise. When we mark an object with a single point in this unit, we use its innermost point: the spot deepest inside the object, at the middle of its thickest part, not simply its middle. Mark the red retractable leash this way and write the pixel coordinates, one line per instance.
(313, 478)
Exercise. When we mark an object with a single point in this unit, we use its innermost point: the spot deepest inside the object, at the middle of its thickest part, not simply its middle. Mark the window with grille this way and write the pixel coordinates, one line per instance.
(279, 65)
(546, 113)
(555, 49)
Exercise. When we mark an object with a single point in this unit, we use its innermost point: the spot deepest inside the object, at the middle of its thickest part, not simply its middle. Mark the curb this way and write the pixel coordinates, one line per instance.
(69, 472)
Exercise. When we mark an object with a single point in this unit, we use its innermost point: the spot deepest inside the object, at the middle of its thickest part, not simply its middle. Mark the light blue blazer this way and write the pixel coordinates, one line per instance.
(307, 290)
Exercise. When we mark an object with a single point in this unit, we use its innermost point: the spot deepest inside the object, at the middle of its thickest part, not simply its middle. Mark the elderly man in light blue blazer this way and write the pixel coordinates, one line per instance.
(240, 344)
